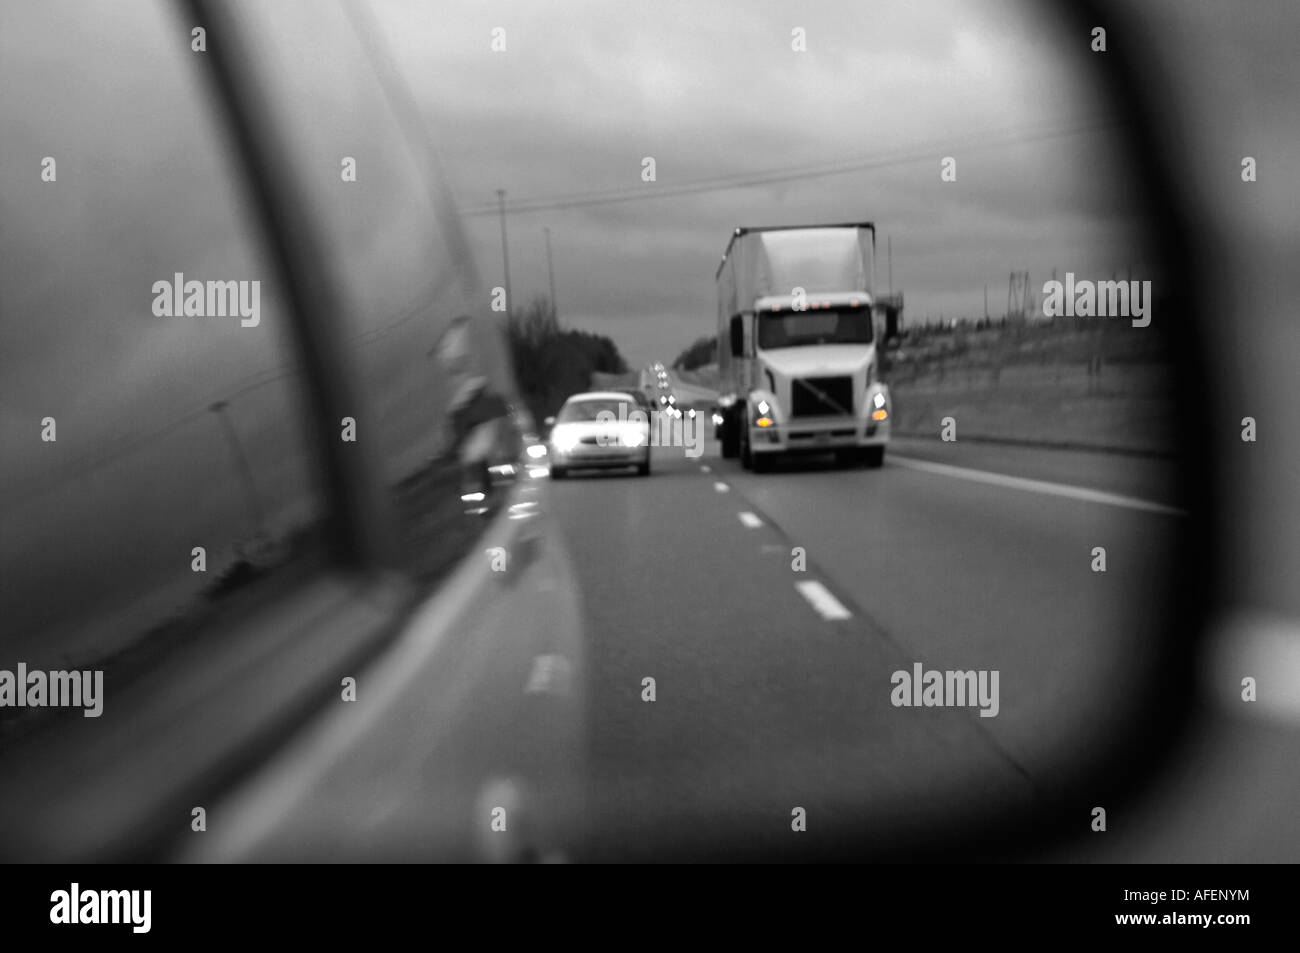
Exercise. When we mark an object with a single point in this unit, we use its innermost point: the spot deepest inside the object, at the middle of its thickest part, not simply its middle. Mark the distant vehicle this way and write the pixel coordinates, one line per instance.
(600, 429)
(797, 351)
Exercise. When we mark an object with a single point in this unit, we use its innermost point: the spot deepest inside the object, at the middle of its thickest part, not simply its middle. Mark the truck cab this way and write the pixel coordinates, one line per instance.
(798, 346)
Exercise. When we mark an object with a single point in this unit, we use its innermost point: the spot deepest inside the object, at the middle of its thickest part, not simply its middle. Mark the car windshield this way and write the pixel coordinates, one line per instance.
(580, 410)
(828, 326)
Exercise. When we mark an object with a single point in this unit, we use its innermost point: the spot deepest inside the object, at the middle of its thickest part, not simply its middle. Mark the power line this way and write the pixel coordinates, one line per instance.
(916, 153)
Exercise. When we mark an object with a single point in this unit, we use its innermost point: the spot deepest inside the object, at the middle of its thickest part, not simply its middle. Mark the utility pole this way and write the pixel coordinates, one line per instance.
(241, 464)
(505, 249)
(550, 271)
(986, 302)
(889, 247)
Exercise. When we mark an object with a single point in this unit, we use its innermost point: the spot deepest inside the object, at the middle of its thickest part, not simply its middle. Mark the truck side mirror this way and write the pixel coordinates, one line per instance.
(737, 336)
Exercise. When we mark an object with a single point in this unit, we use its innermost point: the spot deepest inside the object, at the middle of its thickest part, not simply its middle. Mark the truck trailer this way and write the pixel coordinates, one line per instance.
(797, 345)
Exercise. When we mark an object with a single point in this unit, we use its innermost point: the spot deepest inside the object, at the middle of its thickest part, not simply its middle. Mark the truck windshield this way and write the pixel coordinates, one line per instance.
(822, 326)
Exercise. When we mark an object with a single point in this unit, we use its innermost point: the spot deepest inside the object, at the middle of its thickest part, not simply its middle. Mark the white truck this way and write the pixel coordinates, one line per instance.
(797, 345)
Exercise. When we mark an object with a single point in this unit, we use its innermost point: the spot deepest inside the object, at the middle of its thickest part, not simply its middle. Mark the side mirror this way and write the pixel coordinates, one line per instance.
(737, 336)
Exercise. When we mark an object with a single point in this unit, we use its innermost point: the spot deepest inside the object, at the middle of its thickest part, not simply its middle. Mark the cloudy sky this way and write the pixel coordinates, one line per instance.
(716, 94)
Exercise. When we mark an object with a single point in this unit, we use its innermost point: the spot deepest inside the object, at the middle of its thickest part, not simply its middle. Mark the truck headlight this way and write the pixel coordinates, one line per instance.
(878, 409)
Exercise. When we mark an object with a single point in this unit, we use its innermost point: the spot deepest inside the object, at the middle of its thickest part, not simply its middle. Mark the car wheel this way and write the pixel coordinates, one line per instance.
(643, 469)
(558, 473)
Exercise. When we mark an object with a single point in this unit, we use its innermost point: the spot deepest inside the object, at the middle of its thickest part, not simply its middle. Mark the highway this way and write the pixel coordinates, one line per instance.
(772, 681)
(771, 612)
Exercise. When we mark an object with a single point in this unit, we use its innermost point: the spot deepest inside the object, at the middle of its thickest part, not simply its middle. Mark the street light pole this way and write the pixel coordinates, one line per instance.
(550, 269)
(505, 248)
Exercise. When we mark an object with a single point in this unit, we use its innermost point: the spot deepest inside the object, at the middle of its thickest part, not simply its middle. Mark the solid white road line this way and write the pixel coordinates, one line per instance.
(750, 520)
(1039, 486)
(705, 468)
(820, 598)
(1265, 646)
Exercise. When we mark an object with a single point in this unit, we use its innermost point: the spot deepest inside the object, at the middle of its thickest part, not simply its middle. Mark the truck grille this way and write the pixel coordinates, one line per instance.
(805, 401)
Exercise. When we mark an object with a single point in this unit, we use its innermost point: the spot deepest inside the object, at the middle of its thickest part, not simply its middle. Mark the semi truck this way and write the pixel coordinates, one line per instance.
(797, 346)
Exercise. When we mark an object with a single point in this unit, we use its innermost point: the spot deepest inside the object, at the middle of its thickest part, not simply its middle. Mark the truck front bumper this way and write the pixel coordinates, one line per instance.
(819, 435)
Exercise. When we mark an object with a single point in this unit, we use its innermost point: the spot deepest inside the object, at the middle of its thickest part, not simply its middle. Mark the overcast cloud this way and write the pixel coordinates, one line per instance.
(585, 90)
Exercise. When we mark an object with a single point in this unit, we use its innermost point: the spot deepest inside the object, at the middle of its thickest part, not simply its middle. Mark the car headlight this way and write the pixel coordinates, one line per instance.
(536, 450)
(633, 437)
(564, 440)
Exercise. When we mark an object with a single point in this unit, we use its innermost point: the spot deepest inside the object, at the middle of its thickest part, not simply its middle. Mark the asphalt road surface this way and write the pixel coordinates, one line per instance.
(772, 609)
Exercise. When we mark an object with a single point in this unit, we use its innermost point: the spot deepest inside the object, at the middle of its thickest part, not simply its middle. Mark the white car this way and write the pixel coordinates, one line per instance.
(599, 429)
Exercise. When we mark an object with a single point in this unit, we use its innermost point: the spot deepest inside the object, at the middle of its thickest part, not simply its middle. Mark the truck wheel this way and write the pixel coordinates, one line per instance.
(874, 457)
(730, 438)
(758, 462)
